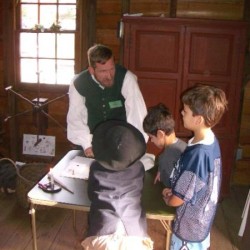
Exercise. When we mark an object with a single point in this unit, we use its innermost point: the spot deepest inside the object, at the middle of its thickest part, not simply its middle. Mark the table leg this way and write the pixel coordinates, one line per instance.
(167, 225)
(32, 212)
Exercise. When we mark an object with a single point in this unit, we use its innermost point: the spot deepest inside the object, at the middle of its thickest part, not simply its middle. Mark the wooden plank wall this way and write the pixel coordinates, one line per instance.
(108, 15)
(224, 9)
(150, 8)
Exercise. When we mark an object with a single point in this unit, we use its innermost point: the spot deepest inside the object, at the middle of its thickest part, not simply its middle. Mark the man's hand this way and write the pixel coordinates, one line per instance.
(88, 152)
(166, 194)
(157, 177)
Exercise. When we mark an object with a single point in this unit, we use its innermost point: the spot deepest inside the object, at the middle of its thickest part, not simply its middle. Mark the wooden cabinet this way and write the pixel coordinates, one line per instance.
(170, 55)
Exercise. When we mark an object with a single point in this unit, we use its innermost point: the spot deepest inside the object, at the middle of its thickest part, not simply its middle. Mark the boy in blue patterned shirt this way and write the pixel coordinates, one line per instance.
(196, 178)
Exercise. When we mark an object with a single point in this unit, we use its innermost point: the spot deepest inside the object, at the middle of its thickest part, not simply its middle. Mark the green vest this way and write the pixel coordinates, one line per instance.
(102, 104)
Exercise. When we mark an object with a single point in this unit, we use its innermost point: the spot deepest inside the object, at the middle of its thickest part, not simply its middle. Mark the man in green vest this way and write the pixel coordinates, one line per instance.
(104, 91)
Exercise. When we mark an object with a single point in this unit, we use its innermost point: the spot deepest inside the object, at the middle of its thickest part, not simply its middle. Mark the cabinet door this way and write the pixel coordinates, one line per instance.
(154, 52)
(214, 55)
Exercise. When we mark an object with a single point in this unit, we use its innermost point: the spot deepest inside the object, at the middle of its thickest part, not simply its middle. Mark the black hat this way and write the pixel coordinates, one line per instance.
(117, 144)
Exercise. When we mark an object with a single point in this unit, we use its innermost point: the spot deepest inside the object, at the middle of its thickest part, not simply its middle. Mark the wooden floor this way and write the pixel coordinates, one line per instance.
(55, 226)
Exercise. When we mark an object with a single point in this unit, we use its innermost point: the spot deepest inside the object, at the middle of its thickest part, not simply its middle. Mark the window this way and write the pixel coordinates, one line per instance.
(46, 42)
(47, 34)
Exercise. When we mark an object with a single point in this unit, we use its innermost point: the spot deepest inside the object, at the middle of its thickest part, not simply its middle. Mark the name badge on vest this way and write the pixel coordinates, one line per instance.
(115, 104)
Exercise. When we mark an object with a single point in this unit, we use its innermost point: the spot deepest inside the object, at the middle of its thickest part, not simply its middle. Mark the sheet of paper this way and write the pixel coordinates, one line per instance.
(78, 167)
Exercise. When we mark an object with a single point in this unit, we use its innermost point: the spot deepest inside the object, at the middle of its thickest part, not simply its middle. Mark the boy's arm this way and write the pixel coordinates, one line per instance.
(171, 199)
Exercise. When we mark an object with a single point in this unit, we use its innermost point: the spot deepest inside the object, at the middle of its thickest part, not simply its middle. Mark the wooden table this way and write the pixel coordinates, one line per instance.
(152, 199)
(154, 205)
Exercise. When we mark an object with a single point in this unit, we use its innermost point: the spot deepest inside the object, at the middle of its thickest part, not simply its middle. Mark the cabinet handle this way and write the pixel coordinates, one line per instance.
(120, 29)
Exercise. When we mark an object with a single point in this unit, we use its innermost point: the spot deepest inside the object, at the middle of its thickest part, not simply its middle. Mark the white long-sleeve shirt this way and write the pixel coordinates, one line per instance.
(78, 131)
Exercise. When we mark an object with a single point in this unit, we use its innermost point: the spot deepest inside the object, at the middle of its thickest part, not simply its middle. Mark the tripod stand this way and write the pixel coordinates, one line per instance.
(38, 108)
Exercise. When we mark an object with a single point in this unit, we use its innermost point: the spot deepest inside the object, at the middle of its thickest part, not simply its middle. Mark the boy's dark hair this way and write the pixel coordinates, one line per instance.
(208, 101)
(159, 117)
(99, 54)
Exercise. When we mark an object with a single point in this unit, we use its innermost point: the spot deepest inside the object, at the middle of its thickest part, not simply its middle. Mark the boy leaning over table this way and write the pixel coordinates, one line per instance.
(116, 218)
(159, 125)
(196, 178)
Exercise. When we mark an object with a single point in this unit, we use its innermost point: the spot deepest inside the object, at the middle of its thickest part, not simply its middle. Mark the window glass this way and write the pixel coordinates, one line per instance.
(47, 71)
(46, 45)
(67, 1)
(65, 71)
(29, 16)
(28, 45)
(48, 1)
(67, 17)
(29, 71)
(65, 46)
(28, 1)
(47, 15)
